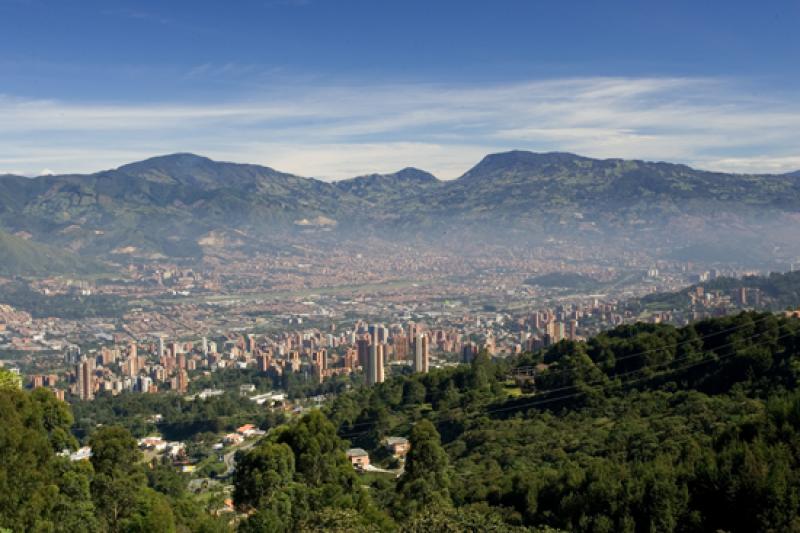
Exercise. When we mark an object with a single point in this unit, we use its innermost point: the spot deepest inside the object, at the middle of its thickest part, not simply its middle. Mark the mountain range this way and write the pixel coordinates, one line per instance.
(181, 205)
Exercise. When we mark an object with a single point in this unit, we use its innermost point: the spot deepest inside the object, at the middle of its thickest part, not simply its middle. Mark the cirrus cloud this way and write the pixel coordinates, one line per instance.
(338, 131)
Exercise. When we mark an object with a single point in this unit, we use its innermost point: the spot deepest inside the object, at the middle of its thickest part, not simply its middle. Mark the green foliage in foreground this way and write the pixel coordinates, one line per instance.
(41, 491)
(9, 380)
(643, 428)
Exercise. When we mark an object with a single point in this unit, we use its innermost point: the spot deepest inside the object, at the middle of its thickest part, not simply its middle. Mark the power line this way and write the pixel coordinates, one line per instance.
(613, 385)
(676, 345)
(665, 363)
(639, 354)
(603, 381)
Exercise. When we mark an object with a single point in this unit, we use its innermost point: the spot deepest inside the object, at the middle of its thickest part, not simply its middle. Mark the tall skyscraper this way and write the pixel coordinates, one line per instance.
(375, 361)
(743, 295)
(321, 358)
(250, 345)
(363, 352)
(378, 333)
(421, 354)
(85, 372)
(72, 355)
(182, 381)
(469, 352)
(143, 384)
(400, 347)
(131, 366)
(351, 359)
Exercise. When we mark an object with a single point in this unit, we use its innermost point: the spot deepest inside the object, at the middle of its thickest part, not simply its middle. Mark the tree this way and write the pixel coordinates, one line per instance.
(338, 521)
(166, 480)
(57, 419)
(318, 451)
(151, 513)
(9, 379)
(27, 487)
(73, 509)
(425, 481)
(261, 472)
(413, 392)
(118, 478)
(450, 520)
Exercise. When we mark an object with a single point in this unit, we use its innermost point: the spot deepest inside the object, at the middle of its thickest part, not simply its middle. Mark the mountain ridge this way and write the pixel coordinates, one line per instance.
(165, 204)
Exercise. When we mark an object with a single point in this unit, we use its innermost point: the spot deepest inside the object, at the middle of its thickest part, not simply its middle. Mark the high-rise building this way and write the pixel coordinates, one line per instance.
(469, 352)
(251, 343)
(351, 359)
(175, 348)
(320, 358)
(413, 330)
(375, 361)
(363, 352)
(421, 353)
(376, 333)
(72, 355)
(131, 366)
(85, 372)
(400, 343)
(182, 381)
(557, 331)
(573, 330)
(143, 384)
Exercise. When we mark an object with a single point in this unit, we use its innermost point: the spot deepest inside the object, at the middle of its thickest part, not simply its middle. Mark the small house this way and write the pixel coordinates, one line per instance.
(358, 457)
(398, 446)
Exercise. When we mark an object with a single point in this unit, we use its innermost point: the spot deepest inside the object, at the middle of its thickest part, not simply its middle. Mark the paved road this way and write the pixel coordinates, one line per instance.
(230, 457)
(396, 473)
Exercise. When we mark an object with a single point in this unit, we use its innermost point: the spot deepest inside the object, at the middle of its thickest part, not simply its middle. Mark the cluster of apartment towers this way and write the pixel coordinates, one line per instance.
(372, 350)
(369, 353)
(173, 369)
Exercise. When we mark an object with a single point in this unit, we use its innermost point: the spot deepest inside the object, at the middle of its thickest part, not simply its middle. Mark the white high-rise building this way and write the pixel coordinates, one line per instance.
(421, 354)
(374, 370)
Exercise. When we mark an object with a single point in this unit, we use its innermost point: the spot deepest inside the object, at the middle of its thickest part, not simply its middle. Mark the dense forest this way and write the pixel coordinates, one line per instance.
(642, 428)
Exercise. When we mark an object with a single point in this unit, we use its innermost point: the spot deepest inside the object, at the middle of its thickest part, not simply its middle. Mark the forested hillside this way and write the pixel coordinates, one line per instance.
(642, 428)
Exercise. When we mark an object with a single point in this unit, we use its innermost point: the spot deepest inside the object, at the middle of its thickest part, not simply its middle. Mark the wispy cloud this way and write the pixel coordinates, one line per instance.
(136, 14)
(338, 131)
(287, 3)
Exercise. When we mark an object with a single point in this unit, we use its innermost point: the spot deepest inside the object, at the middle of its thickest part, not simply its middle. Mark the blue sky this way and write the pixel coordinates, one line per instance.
(335, 88)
